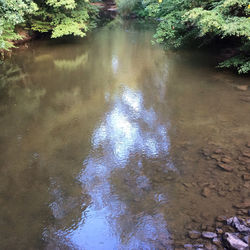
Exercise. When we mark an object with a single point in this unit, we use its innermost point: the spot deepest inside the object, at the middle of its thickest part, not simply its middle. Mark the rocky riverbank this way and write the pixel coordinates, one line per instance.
(227, 232)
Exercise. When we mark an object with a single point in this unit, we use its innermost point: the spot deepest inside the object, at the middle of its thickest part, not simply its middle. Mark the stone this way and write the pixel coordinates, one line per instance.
(187, 185)
(248, 144)
(242, 87)
(206, 192)
(246, 239)
(244, 211)
(246, 154)
(238, 224)
(225, 167)
(234, 242)
(188, 246)
(216, 242)
(219, 231)
(246, 177)
(209, 246)
(226, 160)
(216, 157)
(218, 151)
(221, 218)
(205, 151)
(209, 235)
(194, 234)
(198, 246)
(244, 159)
(244, 204)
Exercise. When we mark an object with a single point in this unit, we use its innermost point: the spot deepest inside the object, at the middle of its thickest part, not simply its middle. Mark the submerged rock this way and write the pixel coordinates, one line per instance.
(244, 160)
(242, 87)
(217, 242)
(209, 246)
(246, 154)
(194, 234)
(226, 160)
(206, 192)
(219, 231)
(225, 167)
(209, 235)
(238, 224)
(218, 151)
(246, 177)
(244, 204)
(216, 157)
(188, 246)
(221, 218)
(234, 242)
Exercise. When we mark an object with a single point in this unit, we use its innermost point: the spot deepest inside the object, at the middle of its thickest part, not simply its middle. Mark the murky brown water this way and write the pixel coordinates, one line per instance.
(100, 143)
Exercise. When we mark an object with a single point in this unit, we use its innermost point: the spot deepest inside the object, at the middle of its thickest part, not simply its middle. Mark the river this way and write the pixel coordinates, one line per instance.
(108, 142)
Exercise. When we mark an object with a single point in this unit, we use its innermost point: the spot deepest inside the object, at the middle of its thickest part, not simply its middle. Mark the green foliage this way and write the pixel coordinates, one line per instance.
(198, 22)
(127, 7)
(64, 17)
(60, 17)
(12, 13)
(241, 63)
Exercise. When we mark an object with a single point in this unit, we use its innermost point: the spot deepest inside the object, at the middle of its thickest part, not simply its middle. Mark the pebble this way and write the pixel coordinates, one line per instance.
(244, 204)
(216, 242)
(244, 159)
(248, 144)
(221, 218)
(242, 87)
(225, 167)
(209, 246)
(209, 235)
(198, 245)
(188, 246)
(194, 234)
(246, 154)
(206, 192)
(216, 157)
(219, 231)
(246, 177)
(218, 151)
(226, 160)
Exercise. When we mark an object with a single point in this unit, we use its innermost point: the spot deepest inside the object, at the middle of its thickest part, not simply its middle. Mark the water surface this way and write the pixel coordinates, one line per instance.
(100, 143)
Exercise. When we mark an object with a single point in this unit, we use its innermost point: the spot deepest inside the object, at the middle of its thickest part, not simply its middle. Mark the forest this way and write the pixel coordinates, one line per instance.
(180, 23)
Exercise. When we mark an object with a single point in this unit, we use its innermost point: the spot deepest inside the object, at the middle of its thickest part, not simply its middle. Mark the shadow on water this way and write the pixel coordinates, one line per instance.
(100, 139)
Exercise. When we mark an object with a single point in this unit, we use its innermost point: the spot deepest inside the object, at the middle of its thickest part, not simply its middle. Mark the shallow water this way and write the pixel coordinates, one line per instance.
(100, 143)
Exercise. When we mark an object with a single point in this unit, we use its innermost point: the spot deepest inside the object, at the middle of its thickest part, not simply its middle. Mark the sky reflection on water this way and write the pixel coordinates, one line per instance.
(128, 131)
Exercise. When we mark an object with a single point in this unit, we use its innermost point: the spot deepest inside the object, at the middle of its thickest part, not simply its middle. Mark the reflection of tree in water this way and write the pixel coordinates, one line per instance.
(41, 155)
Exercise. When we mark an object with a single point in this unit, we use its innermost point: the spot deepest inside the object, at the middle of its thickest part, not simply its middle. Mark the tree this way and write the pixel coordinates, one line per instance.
(12, 13)
(201, 23)
(64, 17)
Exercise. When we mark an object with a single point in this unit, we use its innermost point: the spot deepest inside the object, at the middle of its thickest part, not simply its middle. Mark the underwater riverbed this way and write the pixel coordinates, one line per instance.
(109, 142)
